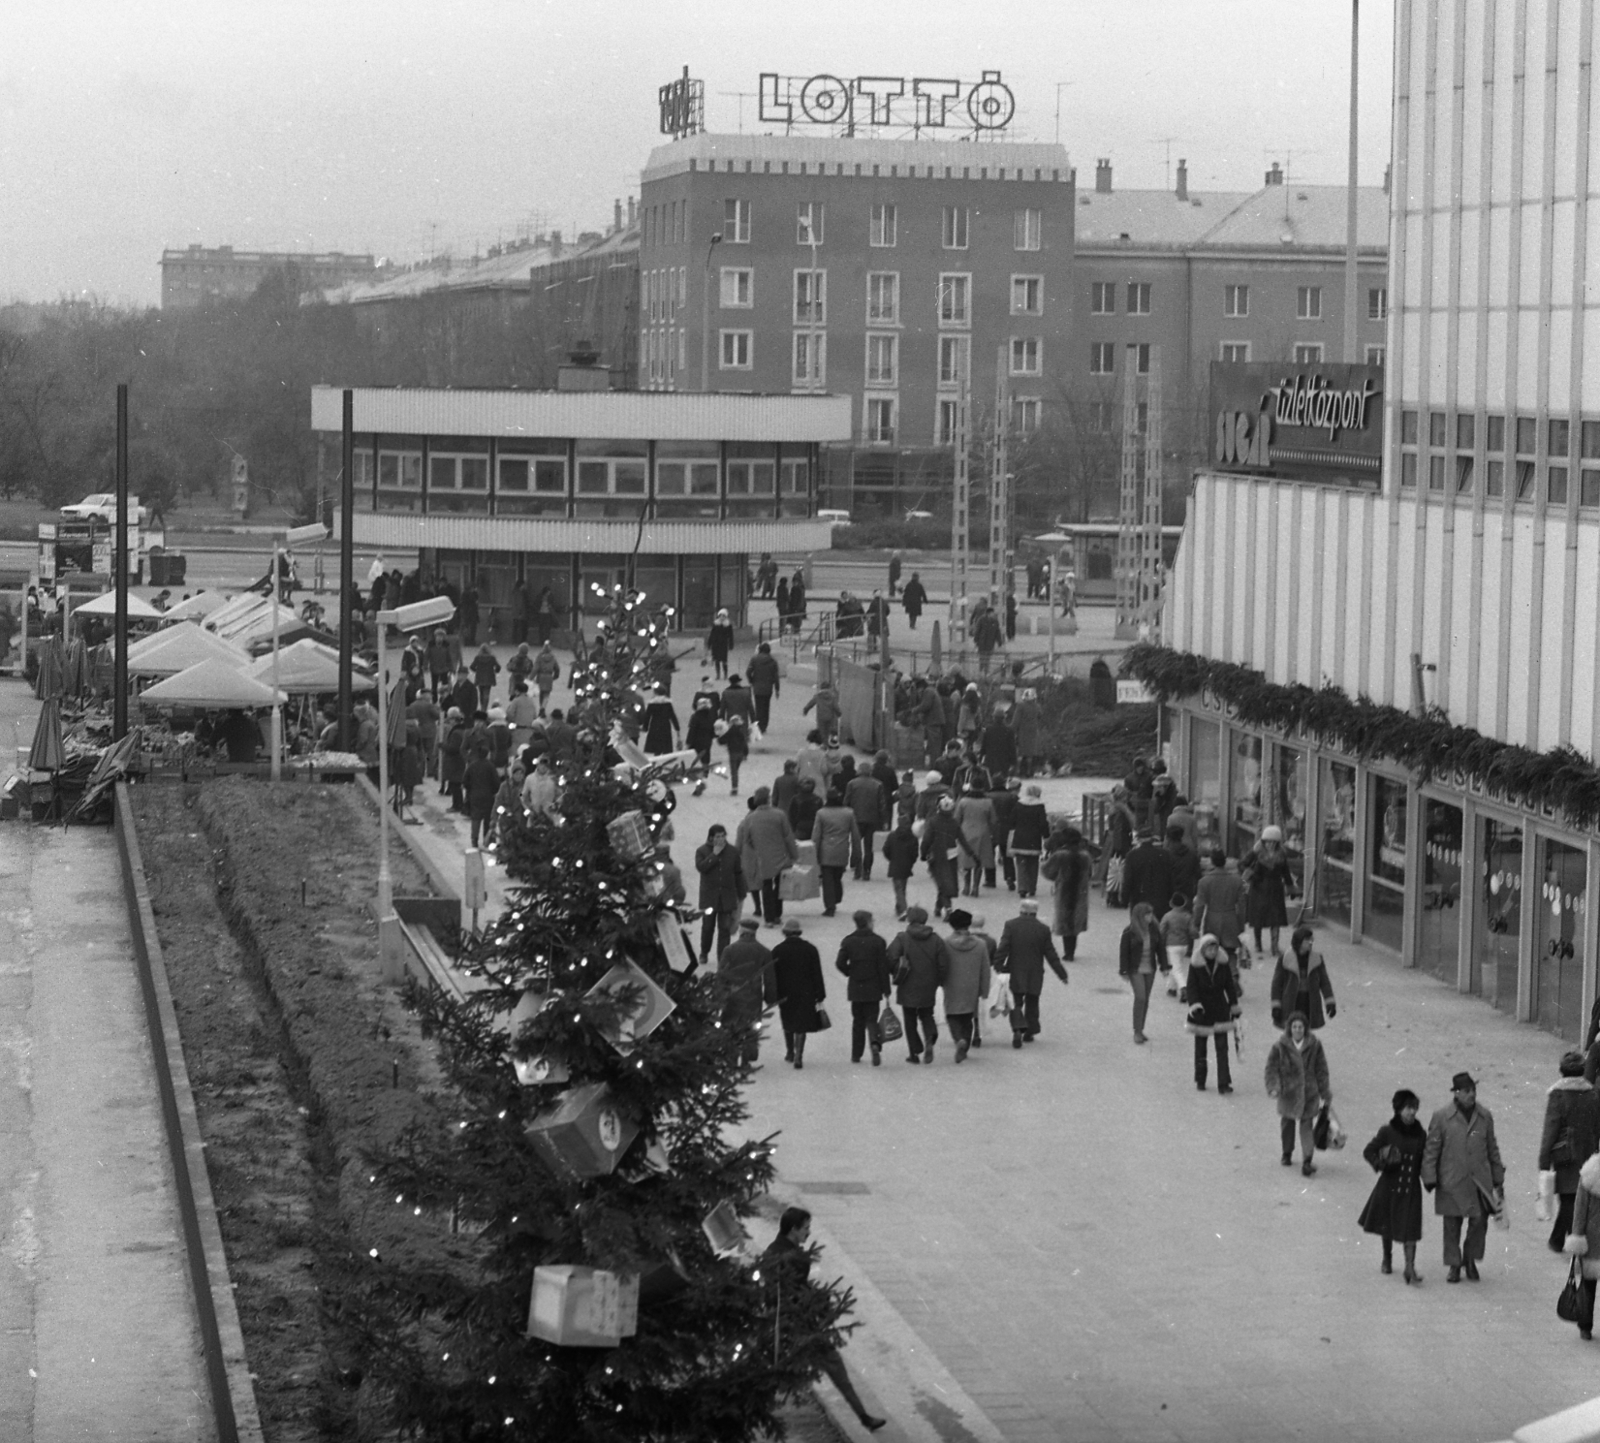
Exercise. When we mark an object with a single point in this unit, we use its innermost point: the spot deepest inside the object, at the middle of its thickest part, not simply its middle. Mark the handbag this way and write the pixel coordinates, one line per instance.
(824, 1022)
(1569, 1304)
(1319, 1129)
(889, 1027)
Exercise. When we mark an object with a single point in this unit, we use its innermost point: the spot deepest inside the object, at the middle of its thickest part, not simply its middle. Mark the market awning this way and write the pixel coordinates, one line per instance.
(178, 648)
(202, 603)
(213, 685)
(304, 669)
(106, 605)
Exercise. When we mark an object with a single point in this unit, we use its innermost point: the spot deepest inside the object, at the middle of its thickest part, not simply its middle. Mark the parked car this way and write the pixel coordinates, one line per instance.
(100, 506)
(838, 518)
(919, 516)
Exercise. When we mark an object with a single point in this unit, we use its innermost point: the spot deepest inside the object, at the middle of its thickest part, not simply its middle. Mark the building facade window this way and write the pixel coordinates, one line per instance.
(1102, 358)
(1025, 414)
(1589, 476)
(1102, 298)
(956, 220)
(947, 417)
(1027, 230)
(810, 358)
(735, 350)
(736, 288)
(955, 298)
(808, 223)
(1307, 353)
(955, 358)
(1236, 301)
(1025, 356)
(883, 298)
(1138, 298)
(810, 298)
(1027, 295)
(1308, 303)
(1235, 351)
(1377, 303)
(1527, 443)
(1376, 355)
(736, 222)
(883, 360)
(881, 419)
(884, 224)
(1139, 355)
(1102, 417)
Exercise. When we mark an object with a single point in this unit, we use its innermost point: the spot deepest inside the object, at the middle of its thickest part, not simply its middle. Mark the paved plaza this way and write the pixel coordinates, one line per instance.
(1072, 1243)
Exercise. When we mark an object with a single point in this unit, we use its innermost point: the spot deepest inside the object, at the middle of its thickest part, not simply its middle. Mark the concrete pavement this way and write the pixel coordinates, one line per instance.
(98, 1337)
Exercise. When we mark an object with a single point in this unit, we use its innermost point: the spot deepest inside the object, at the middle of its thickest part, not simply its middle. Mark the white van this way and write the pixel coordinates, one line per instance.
(838, 518)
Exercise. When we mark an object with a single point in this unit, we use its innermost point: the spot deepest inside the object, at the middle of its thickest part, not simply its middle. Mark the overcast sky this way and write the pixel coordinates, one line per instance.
(395, 127)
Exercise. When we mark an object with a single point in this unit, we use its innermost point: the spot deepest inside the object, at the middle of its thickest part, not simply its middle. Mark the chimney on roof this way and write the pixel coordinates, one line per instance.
(632, 205)
(1274, 176)
(1183, 180)
(616, 215)
(1102, 177)
(1386, 171)
(555, 244)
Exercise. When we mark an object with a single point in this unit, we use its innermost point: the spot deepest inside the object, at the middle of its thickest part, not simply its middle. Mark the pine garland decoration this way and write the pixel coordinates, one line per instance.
(445, 1322)
(1559, 781)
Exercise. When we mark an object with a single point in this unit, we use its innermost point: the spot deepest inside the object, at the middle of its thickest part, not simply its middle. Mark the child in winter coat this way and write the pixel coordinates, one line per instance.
(1178, 934)
(900, 849)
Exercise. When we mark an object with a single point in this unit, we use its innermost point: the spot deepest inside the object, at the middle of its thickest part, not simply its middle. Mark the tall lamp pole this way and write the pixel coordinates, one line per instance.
(281, 542)
(705, 316)
(119, 565)
(1350, 196)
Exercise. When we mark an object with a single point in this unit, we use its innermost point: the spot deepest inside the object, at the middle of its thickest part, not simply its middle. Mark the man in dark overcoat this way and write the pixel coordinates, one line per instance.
(1025, 947)
(1461, 1165)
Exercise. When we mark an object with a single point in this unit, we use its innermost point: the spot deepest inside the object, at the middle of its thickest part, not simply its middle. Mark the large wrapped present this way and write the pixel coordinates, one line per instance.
(584, 1134)
(578, 1307)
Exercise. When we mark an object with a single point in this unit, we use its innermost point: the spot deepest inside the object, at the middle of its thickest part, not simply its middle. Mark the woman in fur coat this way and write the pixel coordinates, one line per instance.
(1584, 1240)
(1297, 1076)
(1394, 1209)
(1571, 1135)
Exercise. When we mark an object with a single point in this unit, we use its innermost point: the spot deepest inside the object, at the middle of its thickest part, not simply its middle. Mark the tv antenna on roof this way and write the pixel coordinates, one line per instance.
(741, 96)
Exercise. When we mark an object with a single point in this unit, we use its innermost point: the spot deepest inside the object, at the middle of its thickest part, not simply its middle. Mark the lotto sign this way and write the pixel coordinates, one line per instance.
(921, 102)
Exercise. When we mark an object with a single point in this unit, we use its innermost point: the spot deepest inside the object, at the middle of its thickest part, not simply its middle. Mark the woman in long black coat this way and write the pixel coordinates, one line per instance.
(1394, 1210)
(797, 967)
(1569, 1139)
(1267, 875)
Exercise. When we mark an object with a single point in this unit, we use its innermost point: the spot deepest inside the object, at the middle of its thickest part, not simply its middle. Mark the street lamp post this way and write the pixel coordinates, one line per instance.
(281, 542)
(415, 617)
(705, 316)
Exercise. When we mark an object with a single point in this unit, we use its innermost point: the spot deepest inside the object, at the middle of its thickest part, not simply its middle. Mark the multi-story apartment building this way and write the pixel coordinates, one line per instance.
(198, 274)
(1197, 277)
(892, 272)
(1456, 826)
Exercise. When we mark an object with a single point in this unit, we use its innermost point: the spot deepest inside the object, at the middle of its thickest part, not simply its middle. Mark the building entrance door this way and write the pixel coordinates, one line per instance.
(1439, 944)
(1558, 978)
(1497, 930)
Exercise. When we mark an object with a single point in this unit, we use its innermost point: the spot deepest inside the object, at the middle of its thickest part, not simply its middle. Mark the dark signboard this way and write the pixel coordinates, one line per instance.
(1304, 420)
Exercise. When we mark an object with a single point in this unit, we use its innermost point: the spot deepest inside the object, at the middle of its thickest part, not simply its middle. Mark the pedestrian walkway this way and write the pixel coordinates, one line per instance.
(98, 1335)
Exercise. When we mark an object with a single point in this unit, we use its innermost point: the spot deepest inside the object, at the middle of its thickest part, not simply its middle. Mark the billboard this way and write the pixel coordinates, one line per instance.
(1304, 420)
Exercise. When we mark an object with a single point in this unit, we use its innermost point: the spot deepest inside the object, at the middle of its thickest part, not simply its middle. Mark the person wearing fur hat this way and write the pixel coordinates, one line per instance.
(1296, 1075)
(1267, 875)
(1213, 1005)
(1394, 1208)
(1571, 1135)
(1584, 1241)
(1462, 1161)
(719, 642)
(801, 990)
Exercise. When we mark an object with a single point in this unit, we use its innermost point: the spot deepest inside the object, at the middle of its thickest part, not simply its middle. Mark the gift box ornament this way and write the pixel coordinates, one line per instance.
(585, 1134)
(538, 1067)
(670, 935)
(630, 837)
(650, 1008)
(579, 1307)
(723, 1229)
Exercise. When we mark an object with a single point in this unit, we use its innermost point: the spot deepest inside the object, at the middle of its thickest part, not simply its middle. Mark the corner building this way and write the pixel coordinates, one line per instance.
(885, 271)
(1466, 581)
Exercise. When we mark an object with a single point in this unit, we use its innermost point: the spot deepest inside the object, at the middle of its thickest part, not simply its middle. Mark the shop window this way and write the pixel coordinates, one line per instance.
(1336, 877)
(1203, 779)
(686, 478)
(1386, 864)
(1558, 939)
(1244, 792)
(751, 478)
(1439, 926)
(1498, 925)
(1290, 792)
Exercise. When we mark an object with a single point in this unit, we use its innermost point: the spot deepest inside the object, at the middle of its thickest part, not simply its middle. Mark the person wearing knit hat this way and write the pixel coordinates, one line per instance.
(1394, 1207)
(966, 979)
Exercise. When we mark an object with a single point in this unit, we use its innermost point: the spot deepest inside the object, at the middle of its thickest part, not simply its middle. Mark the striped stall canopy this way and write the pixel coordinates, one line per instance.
(401, 529)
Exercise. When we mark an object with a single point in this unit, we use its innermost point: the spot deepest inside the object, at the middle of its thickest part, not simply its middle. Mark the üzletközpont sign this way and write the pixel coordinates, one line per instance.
(1308, 421)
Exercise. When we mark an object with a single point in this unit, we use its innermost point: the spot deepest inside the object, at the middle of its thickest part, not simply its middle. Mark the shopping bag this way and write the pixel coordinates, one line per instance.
(889, 1027)
(1337, 1136)
(799, 884)
(1001, 1006)
(1570, 1302)
(1544, 1206)
(1319, 1129)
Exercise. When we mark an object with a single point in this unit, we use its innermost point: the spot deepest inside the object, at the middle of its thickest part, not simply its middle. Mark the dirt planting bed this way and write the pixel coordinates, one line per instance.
(298, 1059)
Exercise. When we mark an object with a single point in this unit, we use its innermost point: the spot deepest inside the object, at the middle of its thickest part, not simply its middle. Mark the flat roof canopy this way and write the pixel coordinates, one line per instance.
(588, 415)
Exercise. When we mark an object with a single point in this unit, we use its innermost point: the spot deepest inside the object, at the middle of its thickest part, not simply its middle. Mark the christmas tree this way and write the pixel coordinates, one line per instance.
(594, 1089)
